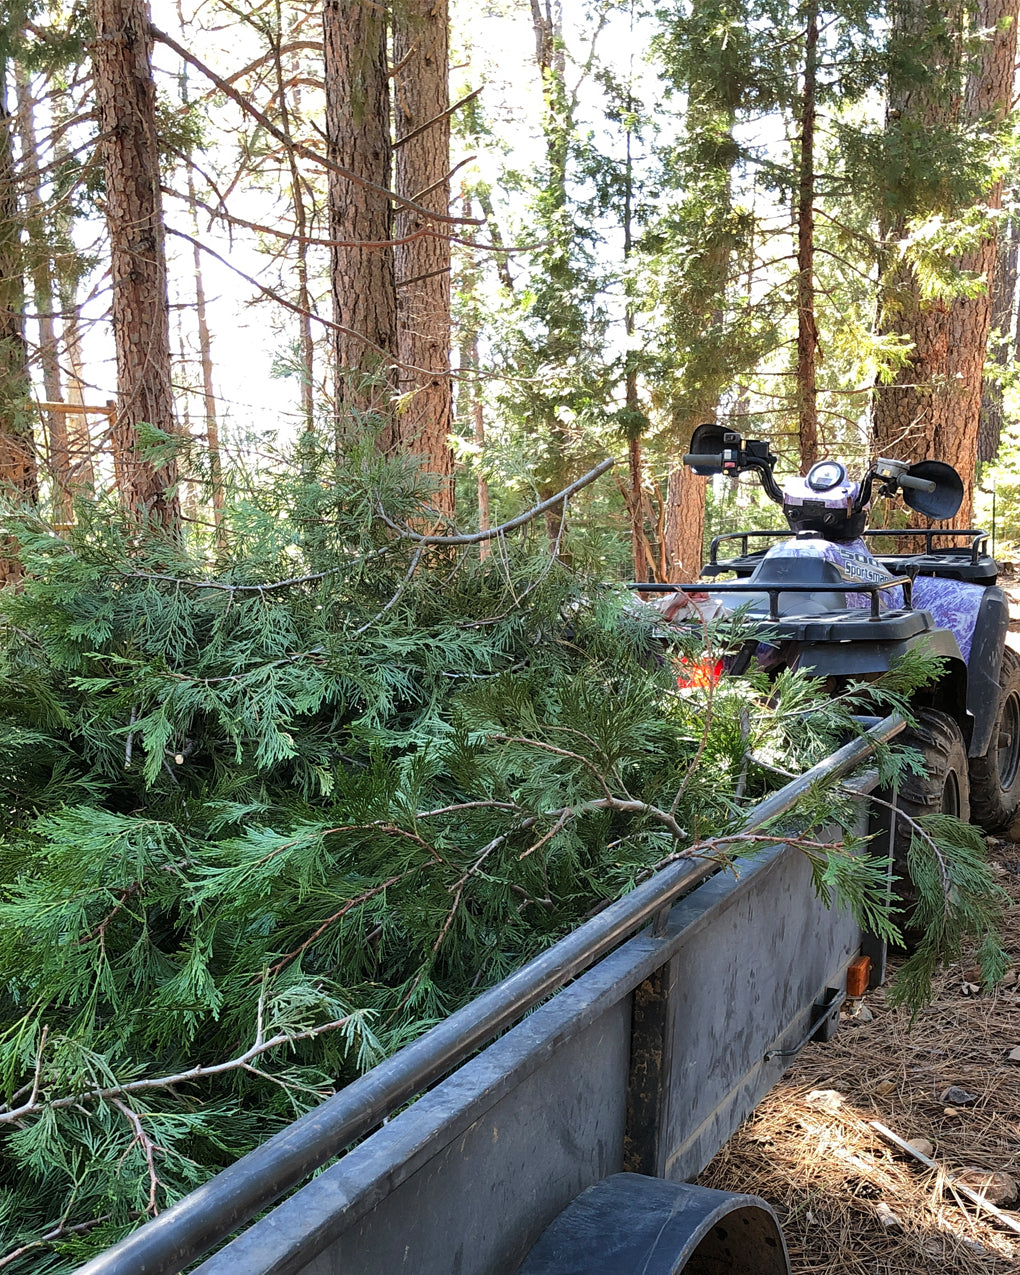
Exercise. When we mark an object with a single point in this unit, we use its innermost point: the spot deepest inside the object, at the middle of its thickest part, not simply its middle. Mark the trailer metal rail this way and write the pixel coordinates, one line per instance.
(209, 1215)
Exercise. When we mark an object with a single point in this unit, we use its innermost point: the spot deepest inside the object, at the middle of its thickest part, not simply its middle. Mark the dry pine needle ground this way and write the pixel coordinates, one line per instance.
(828, 1175)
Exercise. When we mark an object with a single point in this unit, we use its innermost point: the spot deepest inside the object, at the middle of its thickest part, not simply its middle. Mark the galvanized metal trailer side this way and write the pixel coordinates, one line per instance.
(644, 1065)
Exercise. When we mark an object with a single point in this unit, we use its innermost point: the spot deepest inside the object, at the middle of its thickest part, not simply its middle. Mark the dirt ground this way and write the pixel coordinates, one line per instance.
(810, 1151)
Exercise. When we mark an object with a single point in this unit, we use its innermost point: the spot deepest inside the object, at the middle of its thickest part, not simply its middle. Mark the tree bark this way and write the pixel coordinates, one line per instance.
(39, 270)
(685, 524)
(357, 89)
(212, 427)
(304, 299)
(989, 95)
(469, 405)
(933, 406)
(807, 331)
(126, 109)
(422, 266)
(907, 406)
(18, 473)
(1003, 319)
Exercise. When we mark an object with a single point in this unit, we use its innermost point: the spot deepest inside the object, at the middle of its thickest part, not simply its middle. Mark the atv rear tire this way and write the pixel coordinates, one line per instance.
(944, 788)
(995, 777)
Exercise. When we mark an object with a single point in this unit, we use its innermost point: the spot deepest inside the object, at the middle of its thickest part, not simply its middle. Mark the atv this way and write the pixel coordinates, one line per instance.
(830, 606)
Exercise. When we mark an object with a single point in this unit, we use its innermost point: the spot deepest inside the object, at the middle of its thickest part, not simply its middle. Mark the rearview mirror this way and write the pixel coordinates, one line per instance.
(942, 502)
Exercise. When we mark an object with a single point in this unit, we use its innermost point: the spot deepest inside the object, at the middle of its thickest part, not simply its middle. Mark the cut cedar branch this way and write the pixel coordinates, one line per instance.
(469, 538)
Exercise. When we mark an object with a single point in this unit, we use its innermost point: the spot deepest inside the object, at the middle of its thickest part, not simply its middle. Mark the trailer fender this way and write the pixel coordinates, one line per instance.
(629, 1222)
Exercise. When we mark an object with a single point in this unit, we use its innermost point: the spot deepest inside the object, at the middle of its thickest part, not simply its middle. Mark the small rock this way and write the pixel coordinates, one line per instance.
(950, 1111)
(887, 1217)
(958, 1097)
(1009, 979)
(997, 1187)
(970, 989)
(1014, 1055)
(826, 1099)
(885, 1087)
(858, 1014)
(972, 975)
(921, 1144)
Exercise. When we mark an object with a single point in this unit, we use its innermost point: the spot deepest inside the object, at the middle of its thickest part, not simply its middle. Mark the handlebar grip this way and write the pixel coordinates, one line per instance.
(703, 458)
(918, 484)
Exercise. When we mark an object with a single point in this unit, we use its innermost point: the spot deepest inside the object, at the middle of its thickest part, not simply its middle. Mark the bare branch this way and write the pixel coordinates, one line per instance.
(107, 1094)
(147, 1145)
(478, 536)
(304, 151)
(415, 559)
(424, 128)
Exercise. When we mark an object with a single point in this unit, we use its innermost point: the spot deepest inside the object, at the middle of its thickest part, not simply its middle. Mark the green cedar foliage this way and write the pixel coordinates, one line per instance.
(265, 823)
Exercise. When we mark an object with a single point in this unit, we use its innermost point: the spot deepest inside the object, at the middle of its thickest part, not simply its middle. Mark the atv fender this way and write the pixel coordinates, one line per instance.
(984, 666)
(858, 659)
(862, 659)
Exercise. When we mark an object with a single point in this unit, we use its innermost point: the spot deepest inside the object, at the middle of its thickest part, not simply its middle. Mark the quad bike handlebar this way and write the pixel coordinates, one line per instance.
(916, 484)
(928, 487)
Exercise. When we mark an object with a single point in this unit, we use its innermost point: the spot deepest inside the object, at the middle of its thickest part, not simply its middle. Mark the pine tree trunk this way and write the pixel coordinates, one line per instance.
(685, 524)
(356, 70)
(557, 465)
(304, 300)
(933, 406)
(54, 423)
(907, 408)
(807, 332)
(421, 144)
(79, 441)
(212, 427)
(126, 108)
(1003, 303)
(18, 472)
(989, 95)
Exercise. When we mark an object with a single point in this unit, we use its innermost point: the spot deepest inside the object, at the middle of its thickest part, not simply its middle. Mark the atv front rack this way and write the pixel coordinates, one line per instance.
(874, 589)
(970, 562)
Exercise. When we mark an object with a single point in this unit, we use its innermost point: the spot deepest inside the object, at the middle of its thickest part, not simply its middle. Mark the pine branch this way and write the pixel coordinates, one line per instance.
(107, 1093)
(57, 1232)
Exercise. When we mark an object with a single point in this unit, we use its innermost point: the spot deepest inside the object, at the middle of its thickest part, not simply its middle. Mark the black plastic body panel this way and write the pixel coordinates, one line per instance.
(850, 626)
(856, 659)
(946, 564)
(984, 668)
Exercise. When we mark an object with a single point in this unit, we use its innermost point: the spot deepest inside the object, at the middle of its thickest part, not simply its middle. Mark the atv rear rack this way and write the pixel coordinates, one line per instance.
(962, 562)
(874, 589)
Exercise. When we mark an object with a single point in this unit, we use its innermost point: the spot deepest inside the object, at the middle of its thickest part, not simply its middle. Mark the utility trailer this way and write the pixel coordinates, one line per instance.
(557, 1119)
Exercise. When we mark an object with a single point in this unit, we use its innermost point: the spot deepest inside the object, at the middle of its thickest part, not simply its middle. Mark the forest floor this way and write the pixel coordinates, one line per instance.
(810, 1151)
(849, 1203)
